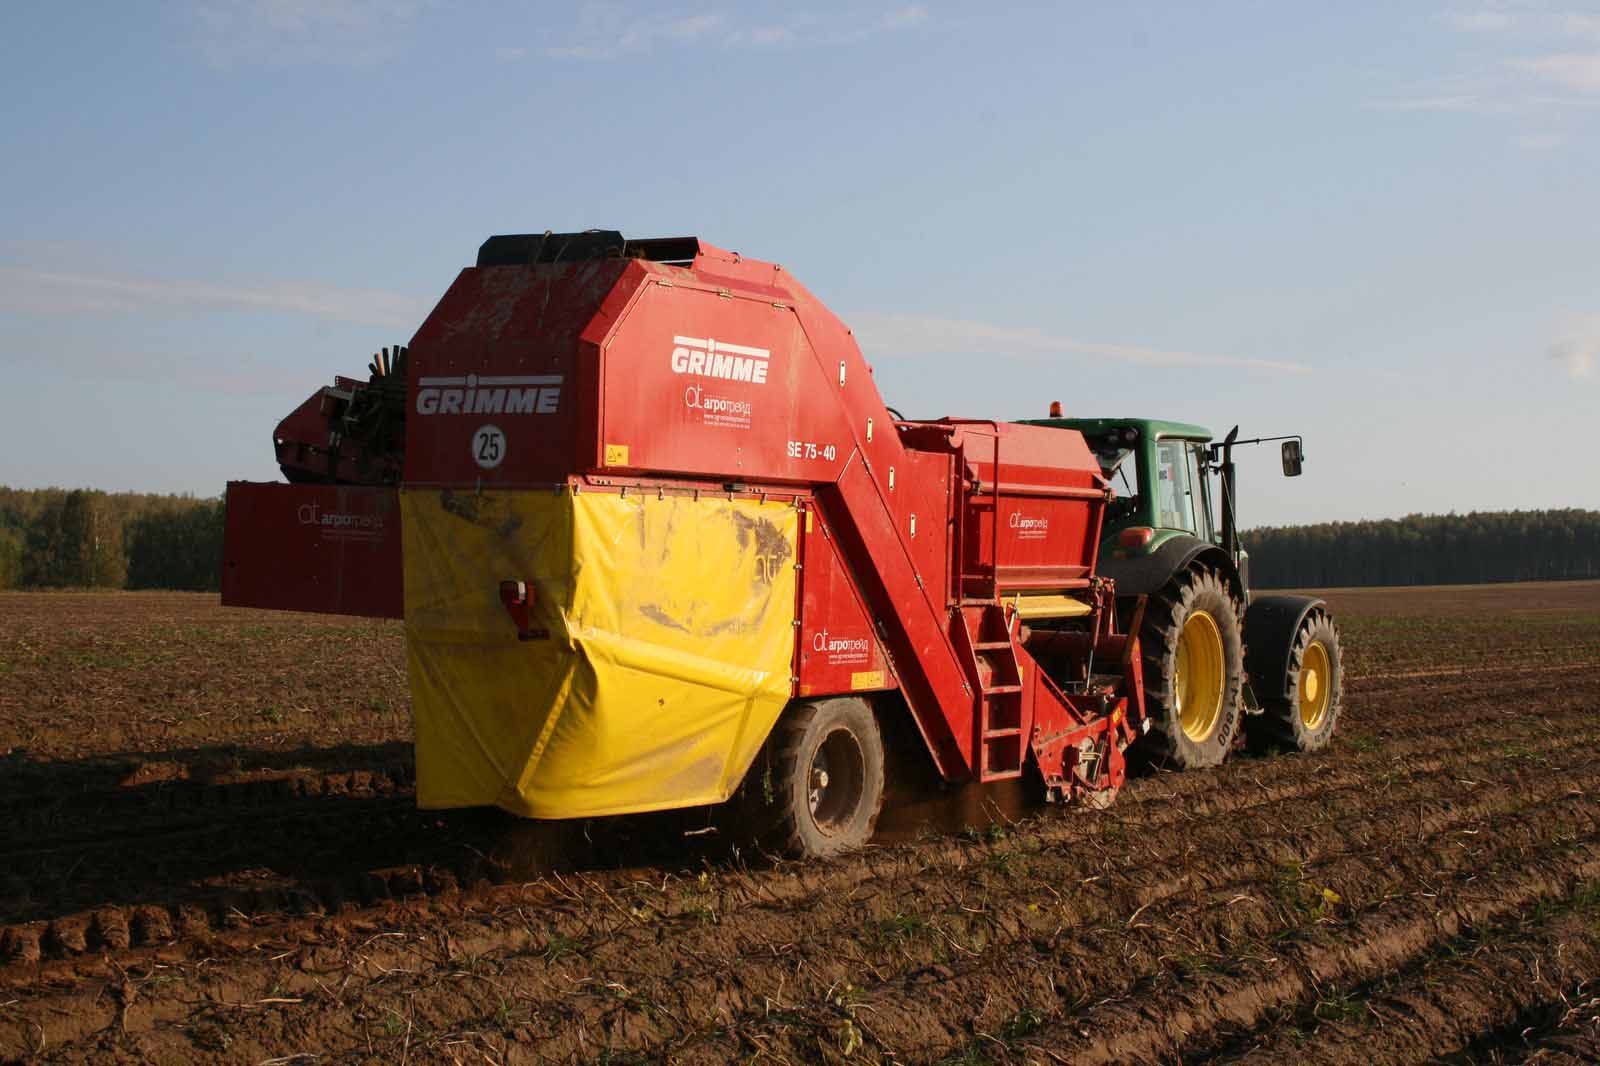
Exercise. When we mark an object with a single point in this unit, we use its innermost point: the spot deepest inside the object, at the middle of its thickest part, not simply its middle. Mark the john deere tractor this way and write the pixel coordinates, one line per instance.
(1216, 658)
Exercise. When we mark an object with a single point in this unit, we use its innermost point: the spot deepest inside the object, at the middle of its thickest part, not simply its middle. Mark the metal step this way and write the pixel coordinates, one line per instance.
(1001, 690)
(991, 645)
(993, 734)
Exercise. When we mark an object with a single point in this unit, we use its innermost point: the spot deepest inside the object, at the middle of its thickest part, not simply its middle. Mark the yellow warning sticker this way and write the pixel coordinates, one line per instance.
(867, 679)
(616, 455)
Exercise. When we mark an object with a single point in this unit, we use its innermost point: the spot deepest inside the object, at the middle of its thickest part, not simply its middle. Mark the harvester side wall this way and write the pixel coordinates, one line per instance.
(332, 549)
(839, 647)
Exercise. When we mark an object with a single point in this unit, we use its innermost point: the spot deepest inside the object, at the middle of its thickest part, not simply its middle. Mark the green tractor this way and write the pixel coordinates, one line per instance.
(1216, 659)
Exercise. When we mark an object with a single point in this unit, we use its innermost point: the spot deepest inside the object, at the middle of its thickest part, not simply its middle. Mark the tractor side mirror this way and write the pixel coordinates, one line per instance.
(1293, 458)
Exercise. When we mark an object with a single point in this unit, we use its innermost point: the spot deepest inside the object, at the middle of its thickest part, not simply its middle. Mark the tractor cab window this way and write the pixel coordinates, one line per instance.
(1119, 464)
(1120, 467)
(1179, 487)
(1201, 490)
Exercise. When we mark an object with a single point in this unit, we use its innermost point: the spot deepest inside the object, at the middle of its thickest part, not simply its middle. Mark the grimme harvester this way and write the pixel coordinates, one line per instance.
(659, 543)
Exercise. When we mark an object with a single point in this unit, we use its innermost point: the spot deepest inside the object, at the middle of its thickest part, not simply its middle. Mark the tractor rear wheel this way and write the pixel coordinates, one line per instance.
(1306, 719)
(1193, 670)
(817, 786)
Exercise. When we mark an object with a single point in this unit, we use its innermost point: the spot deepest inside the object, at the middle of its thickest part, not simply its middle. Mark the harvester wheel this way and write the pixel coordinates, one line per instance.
(1305, 721)
(1193, 670)
(817, 786)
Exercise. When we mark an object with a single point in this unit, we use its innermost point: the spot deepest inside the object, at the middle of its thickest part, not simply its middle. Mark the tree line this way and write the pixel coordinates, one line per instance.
(1421, 549)
(84, 538)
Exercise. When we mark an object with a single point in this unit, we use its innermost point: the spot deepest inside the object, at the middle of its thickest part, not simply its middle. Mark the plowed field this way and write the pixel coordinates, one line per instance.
(209, 852)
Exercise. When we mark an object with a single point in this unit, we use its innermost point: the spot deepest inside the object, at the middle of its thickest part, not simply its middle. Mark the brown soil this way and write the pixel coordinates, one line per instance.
(211, 854)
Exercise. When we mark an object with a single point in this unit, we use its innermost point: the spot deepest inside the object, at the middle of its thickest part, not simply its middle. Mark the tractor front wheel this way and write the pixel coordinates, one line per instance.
(1304, 721)
(1193, 670)
(817, 786)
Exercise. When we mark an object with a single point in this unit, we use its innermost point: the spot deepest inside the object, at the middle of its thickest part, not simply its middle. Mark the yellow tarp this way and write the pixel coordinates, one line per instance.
(668, 658)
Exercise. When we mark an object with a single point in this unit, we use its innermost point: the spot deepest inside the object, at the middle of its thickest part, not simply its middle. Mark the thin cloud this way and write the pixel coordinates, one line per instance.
(1478, 21)
(905, 17)
(1537, 75)
(761, 37)
(106, 357)
(272, 32)
(1577, 346)
(889, 335)
(1581, 25)
(1539, 142)
(1523, 19)
(1570, 70)
(1464, 103)
(693, 28)
(607, 31)
(57, 293)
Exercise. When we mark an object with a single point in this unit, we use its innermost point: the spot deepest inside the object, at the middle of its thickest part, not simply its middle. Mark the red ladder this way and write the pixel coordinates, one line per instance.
(992, 661)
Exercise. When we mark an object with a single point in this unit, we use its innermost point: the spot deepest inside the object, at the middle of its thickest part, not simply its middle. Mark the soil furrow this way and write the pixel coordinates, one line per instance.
(814, 960)
(1208, 1006)
(1563, 1032)
(212, 854)
(1429, 808)
(75, 818)
(1476, 995)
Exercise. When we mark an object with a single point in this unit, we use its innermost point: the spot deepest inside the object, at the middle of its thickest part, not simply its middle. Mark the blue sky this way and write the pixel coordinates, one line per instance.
(1374, 224)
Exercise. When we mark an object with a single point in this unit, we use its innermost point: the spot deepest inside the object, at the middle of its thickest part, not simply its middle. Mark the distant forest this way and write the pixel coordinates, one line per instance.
(56, 538)
(81, 538)
(1428, 550)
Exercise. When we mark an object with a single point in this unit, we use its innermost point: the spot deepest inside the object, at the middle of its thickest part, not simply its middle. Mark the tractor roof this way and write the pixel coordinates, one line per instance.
(1094, 427)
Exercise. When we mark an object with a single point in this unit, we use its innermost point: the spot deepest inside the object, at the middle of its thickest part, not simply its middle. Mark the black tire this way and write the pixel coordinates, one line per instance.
(788, 809)
(1167, 743)
(1289, 724)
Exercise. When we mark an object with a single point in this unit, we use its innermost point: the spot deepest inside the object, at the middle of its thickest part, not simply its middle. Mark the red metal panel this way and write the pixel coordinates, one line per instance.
(930, 670)
(328, 548)
(719, 384)
(1037, 523)
(922, 492)
(1043, 541)
(499, 373)
(839, 648)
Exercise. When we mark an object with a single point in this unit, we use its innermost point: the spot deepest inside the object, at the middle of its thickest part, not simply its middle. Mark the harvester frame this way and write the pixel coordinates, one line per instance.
(651, 525)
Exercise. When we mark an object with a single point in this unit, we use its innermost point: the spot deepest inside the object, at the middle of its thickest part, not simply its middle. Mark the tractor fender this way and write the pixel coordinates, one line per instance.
(1270, 626)
(1145, 575)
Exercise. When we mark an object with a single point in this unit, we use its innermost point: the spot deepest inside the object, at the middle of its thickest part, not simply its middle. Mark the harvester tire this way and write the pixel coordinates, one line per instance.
(816, 787)
(1306, 719)
(1193, 649)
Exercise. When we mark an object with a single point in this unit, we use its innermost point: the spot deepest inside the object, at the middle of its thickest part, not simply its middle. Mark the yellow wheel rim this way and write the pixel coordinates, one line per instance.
(1199, 676)
(1315, 676)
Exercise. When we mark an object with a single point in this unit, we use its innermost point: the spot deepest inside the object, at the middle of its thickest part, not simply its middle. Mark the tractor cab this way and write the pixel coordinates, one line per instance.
(1216, 657)
(1161, 477)
(1175, 487)
(1162, 474)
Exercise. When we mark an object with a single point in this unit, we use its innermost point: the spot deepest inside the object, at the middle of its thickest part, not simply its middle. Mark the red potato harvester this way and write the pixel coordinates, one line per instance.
(659, 543)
